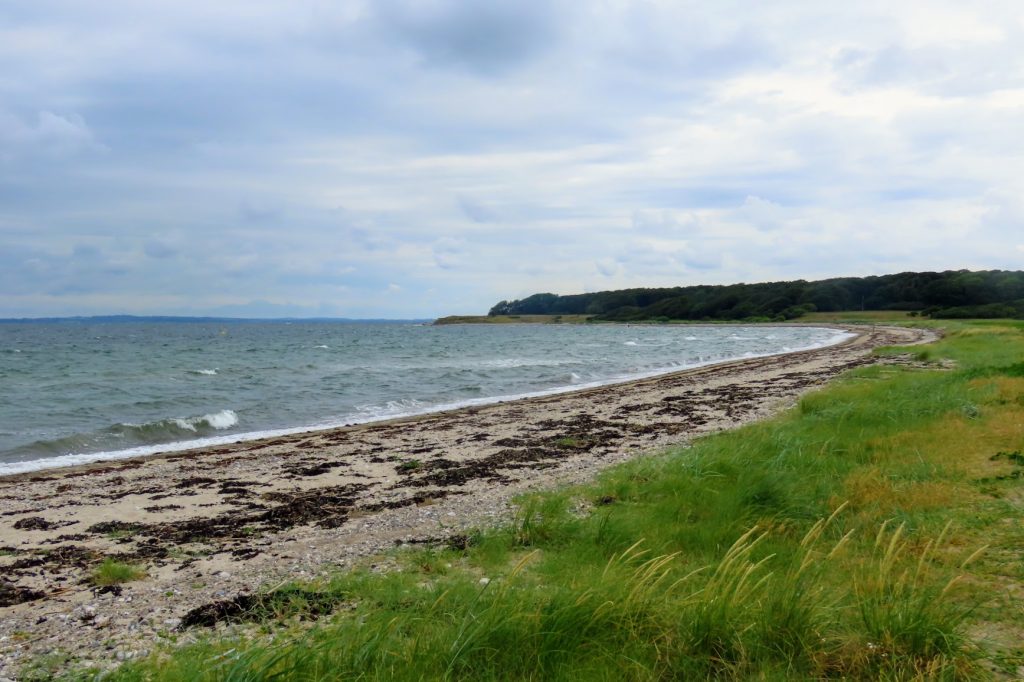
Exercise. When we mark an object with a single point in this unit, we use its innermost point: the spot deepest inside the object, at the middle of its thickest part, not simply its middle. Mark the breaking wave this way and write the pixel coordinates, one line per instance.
(128, 435)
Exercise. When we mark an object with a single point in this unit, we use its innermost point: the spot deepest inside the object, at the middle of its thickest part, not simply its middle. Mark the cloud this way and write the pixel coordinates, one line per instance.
(49, 134)
(485, 38)
(608, 267)
(157, 249)
(448, 253)
(188, 157)
(475, 211)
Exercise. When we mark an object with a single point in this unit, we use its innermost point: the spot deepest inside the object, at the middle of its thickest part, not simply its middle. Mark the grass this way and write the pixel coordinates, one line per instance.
(513, 319)
(873, 532)
(846, 317)
(111, 572)
(860, 316)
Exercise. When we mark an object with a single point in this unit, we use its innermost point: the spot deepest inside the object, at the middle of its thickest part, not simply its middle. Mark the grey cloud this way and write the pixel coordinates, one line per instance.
(158, 249)
(608, 267)
(948, 71)
(49, 134)
(481, 37)
(664, 222)
(259, 213)
(483, 151)
(448, 253)
(476, 211)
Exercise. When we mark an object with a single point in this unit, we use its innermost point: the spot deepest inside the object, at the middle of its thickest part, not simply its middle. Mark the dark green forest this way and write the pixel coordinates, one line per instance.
(949, 294)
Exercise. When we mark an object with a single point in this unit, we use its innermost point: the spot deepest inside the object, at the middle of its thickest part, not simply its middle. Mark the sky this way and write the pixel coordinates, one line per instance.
(410, 159)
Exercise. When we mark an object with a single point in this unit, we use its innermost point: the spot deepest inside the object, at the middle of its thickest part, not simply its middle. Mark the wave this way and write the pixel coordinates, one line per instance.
(515, 363)
(181, 433)
(127, 435)
(215, 421)
(205, 372)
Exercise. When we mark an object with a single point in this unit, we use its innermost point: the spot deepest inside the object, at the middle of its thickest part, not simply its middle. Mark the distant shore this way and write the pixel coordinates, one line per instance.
(227, 519)
(844, 317)
(513, 319)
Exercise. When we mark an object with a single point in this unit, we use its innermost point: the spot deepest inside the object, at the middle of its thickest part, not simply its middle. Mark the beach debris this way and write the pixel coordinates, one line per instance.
(11, 594)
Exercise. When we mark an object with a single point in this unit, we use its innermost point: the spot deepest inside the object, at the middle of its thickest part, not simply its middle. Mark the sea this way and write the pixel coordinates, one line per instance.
(77, 391)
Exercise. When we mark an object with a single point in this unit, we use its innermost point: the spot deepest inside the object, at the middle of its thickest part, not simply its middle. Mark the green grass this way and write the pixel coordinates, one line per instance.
(860, 316)
(513, 319)
(869, 533)
(111, 572)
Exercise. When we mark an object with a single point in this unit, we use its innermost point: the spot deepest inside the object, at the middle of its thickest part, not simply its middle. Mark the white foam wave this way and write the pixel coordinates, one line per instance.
(205, 372)
(322, 346)
(512, 363)
(224, 419)
(630, 343)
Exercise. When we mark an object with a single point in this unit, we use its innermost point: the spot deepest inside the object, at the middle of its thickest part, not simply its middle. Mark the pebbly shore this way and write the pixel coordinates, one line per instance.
(212, 524)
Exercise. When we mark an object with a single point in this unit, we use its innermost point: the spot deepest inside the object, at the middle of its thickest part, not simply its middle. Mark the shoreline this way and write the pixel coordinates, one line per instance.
(215, 441)
(213, 523)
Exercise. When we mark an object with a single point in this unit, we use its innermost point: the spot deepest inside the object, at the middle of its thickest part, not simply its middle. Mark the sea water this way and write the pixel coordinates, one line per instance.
(79, 391)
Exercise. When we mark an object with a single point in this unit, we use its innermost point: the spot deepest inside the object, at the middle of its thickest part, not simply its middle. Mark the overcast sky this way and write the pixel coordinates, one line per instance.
(393, 158)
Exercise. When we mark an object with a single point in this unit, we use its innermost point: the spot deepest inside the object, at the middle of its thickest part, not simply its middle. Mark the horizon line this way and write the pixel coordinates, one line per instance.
(210, 318)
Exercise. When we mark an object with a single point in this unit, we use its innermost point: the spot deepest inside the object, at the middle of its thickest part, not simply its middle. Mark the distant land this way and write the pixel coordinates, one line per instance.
(952, 294)
(219, 320)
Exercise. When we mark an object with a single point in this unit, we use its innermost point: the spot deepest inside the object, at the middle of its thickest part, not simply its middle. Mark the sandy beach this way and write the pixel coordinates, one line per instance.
(211, 524)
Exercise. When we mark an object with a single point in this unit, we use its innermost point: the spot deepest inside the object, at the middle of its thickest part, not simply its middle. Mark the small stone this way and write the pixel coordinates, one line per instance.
(485, 581)
(101, 621)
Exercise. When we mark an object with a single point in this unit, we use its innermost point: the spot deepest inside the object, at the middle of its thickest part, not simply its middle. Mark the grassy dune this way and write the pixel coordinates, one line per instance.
(875, 531)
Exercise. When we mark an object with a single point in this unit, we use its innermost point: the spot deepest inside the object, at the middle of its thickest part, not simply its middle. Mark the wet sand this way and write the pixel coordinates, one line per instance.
(213, 523)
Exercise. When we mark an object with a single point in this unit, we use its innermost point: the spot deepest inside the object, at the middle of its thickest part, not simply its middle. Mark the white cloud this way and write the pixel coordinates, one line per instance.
(317, 155)
(49, 134)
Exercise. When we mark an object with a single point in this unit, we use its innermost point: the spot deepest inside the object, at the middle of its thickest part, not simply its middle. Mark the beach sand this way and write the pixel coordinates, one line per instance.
(213, 523)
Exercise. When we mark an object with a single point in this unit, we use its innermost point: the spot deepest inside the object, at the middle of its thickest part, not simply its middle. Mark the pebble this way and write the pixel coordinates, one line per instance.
(122, 639)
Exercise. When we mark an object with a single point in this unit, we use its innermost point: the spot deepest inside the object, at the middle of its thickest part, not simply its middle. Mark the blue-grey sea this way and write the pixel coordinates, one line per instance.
(77, 391)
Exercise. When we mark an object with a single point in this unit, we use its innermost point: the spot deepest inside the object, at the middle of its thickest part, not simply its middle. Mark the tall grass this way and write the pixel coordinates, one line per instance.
(811, 546)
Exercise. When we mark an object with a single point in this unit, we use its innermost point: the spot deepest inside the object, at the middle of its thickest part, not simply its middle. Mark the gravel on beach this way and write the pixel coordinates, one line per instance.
(209, 525)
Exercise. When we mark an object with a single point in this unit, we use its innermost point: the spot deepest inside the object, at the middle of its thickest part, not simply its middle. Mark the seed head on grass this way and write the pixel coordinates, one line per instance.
(112, 572)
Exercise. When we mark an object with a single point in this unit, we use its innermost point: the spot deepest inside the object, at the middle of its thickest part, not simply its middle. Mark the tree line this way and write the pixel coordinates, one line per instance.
(949, 294)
